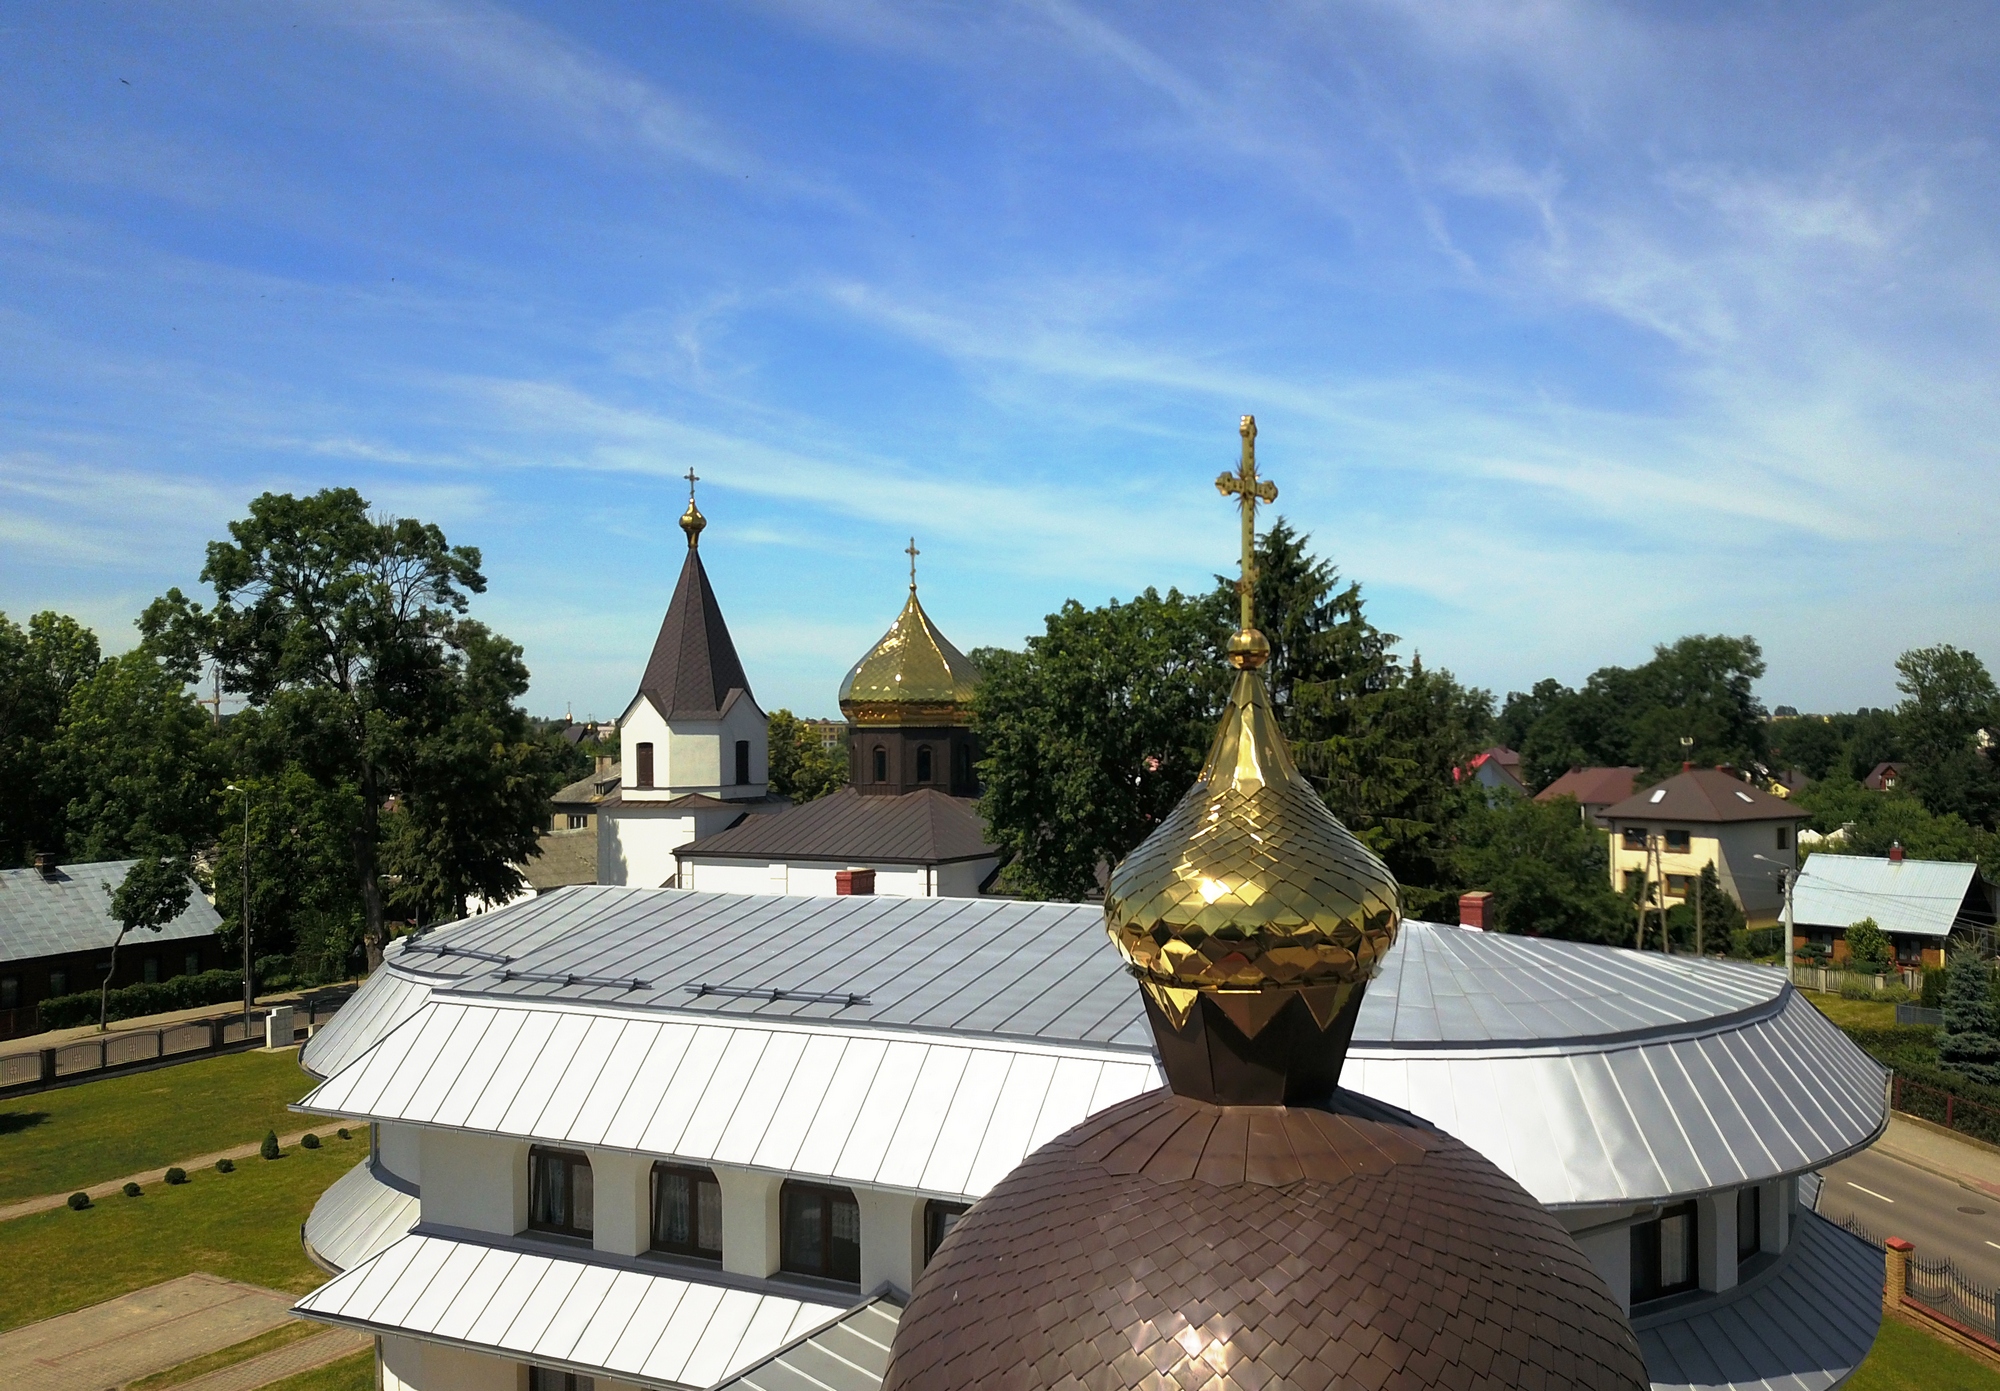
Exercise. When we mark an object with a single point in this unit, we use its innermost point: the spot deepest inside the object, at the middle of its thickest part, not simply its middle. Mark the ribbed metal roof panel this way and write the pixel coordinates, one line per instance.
(1803, 1325)
(919, 1112)
(654, 1328)
(359, 1217)
(1918, 897)
(849, 1354)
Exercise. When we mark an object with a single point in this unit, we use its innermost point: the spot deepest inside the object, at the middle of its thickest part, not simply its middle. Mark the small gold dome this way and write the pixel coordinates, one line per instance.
(913, 676)
(1251, 890)
(692, 522)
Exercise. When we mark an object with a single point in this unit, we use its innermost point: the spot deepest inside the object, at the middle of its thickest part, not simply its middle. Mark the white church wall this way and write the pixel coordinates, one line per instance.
(693, 755)
(962, 880)
(401, 1361)
(635, 845)
(621, 1188)
(892, 1238)
(642, 724)
(808, 880)
(399, 1149)
(749, 1220)
(487, 1187)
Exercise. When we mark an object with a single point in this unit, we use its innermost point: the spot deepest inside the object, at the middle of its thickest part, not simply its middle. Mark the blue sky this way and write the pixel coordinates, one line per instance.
(1569, 328)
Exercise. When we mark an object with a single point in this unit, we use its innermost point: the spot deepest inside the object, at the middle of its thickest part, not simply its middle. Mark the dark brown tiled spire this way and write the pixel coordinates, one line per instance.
(694, 666)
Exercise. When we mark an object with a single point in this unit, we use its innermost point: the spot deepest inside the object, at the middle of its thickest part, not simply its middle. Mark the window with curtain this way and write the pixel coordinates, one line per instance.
(560, 1195)
(819, 1232)
(1749, 1222)
(1663, 1254)
(687, 1212)
(939, 1219)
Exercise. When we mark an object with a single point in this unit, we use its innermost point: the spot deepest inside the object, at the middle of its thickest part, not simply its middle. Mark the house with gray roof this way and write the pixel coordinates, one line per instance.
(1917, 903)
(56, 932)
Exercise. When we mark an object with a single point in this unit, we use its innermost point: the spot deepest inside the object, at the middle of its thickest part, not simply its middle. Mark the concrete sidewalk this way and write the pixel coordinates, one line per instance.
(138, 1334)
(1940, 1152)
(115, 1187)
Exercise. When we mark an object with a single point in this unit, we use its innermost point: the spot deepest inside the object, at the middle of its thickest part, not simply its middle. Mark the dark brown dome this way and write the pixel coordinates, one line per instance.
(1173, 1244)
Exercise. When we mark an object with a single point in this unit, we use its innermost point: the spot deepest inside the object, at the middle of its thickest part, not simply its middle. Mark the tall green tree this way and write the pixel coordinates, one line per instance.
(802, 767)
(1093, 732)
(1970, 1042)
(1949, 699)
(347, 632)
(140, 760)
(40, 667)
(305, 906)
(152, 894)
(1548, 870)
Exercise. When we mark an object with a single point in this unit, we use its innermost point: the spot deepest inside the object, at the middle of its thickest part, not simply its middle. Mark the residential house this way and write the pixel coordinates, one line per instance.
(1704, 816)
(1917, 903)
(1497, 768)
(1884, 776)
(56, 932)
(1593, 789)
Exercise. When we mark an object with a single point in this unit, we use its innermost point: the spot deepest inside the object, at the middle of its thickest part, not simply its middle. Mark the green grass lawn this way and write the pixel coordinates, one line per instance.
(1904, 1359)
(356, 1373)
(241, 1226)
(1854, 1014)
(70, 1138)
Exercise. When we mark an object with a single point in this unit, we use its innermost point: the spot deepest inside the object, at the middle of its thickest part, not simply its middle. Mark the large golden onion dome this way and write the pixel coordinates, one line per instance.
(913, 676)
(1251, 893)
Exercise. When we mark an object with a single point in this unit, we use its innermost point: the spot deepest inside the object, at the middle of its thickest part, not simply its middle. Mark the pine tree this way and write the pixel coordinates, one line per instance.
(1970, 1043)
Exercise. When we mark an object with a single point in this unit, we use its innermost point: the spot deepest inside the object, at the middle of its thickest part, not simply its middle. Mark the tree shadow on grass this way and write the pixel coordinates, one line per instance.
(13, 1121)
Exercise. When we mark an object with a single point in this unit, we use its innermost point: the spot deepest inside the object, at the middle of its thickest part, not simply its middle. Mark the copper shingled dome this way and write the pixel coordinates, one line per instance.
(1172, 1244)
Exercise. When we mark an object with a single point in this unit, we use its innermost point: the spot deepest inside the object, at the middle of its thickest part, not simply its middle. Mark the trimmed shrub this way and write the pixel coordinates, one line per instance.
(342, 1133)
(1867, 949)
(132, 1190)
(269, 1149)
(225, 1166)
(78, 1201)
(177, 1176)
(309, 1141)
(131, 1001)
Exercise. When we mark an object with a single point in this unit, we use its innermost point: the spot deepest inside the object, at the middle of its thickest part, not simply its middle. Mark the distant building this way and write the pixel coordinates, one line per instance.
(832, 733)
(1916, 903)
(1703, 816)
(1594, 789)
(1884, 776)
(56, 931)
(1498, 767)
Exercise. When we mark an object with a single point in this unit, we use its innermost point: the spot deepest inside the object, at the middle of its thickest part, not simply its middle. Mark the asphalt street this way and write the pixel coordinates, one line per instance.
(1940, 1216)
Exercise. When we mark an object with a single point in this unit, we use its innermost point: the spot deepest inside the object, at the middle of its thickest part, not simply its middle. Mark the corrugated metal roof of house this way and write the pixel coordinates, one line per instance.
(72, 912)
(1916, 897)
(582, 1312)
(1803, 1325)
(925, 827)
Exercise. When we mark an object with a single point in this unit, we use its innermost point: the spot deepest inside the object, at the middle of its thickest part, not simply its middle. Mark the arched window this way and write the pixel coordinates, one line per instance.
(687, 1212)
(560, 1194)
(964, 761)
(923, 763)
(819, 1232)
(645, 765)
(881, 764)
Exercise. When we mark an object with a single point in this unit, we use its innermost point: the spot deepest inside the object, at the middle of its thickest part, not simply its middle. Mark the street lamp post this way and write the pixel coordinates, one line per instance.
(249, 988)
(1788, 876)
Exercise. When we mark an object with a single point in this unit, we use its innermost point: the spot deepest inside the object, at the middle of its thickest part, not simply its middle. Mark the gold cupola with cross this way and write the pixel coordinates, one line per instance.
(908, 705)
(1252, 918)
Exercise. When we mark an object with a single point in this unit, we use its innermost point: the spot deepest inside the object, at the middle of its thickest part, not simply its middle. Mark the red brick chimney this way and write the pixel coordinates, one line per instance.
(1895, 852)
(1472, 909)
(854, 881)
(45, 864)
(1687, 765)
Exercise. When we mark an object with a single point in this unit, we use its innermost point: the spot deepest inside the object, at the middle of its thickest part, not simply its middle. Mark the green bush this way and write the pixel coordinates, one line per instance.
(1867, 948)
(132, 1001)
(342, 1133)
(1934, 989)
(225, 1166)
(78, 1201)
(269, 1149)
(309, 1140)
(177, 1176)
(132, 1190)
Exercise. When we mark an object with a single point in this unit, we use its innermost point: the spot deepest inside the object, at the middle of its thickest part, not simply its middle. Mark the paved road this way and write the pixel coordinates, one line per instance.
(1942, 1217)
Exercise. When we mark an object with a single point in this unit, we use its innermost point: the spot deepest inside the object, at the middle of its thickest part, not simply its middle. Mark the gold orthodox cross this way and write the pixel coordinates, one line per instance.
(912, 552)
(692, 480)
(1249, 489)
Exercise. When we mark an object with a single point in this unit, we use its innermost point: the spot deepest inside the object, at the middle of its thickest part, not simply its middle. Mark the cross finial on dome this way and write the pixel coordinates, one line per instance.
(1247, 647)
(912, 552)
(691, 520)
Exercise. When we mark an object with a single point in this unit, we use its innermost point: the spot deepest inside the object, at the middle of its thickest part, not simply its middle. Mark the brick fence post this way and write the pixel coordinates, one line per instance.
(1896, 1256)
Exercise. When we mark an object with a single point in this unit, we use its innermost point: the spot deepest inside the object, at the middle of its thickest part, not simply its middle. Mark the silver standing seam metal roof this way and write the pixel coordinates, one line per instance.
(849, 1354)
(1919, 898)
(72, 912)
(1803, 1325)
(1593, 1075)
(581, 1313)
(365, 1211)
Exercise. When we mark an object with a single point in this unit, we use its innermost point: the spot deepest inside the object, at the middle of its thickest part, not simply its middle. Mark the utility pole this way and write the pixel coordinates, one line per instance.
(214, 702)
(1700, 892)
(249, 987)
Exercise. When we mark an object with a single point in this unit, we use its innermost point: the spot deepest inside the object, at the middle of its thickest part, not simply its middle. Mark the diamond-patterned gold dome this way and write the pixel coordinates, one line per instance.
(1251, 884)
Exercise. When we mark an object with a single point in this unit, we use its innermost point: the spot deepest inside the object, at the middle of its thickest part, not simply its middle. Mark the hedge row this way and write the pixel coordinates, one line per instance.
(132, 1001)
(1912, 1052)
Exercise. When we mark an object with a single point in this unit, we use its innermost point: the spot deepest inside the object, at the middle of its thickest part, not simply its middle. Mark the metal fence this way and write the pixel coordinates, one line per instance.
(1937, 1285)
(128, 1048)
(1917, 1014)
(1941, 1107)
